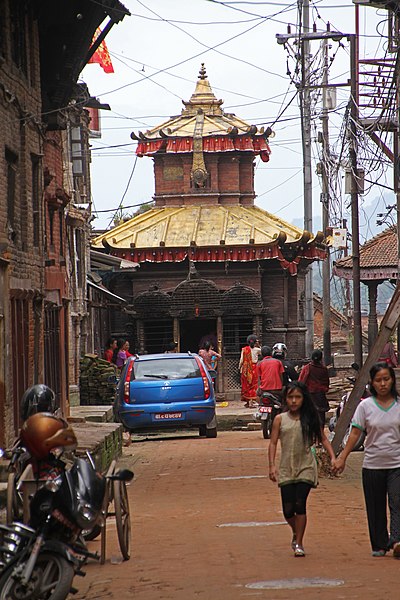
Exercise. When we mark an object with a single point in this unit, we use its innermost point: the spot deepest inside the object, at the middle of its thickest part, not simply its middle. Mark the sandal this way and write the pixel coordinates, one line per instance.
(379, 553)
(299, 550)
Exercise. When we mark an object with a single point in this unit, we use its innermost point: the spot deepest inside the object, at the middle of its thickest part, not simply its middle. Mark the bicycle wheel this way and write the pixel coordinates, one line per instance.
(122, 517)
(105, 512)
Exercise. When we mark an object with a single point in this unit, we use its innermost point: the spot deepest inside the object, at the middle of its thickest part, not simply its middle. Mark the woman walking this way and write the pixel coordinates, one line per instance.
(316, 377)
(298, 429)
(248, 371)
(379, 417)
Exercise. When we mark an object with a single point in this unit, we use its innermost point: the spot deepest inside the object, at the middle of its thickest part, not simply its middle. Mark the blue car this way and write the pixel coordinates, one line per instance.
(160, 391)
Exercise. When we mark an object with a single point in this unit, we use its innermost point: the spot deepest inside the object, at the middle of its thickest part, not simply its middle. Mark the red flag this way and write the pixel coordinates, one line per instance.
(102, 56)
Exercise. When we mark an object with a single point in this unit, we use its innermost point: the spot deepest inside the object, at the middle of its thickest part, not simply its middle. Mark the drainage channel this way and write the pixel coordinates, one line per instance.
(234, 477)
(253, 524)
(295, 584)
(245, 449)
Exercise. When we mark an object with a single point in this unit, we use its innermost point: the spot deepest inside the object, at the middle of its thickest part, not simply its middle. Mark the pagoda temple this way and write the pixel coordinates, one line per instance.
(213, 265)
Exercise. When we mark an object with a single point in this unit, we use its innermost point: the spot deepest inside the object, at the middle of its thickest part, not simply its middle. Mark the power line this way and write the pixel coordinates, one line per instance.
(124, 194)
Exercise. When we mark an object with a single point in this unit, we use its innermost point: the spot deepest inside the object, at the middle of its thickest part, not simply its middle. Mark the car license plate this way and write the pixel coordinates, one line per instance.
(167, 416)
(265, 409)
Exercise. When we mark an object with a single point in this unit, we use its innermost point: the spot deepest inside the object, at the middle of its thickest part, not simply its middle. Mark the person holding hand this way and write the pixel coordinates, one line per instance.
(379, 417)
(298, 429)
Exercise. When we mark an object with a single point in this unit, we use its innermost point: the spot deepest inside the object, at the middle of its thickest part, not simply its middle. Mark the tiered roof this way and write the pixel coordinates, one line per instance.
(220, 131)
(209, 232)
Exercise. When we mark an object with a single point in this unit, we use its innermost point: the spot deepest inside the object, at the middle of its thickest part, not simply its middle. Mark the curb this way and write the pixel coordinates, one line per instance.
(234, 421)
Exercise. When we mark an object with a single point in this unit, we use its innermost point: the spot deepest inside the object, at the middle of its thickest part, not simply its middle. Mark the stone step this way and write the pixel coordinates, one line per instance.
(97, 414)
(102, 440)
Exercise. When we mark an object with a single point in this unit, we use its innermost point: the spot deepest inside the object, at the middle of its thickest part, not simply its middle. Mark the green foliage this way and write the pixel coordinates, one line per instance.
(122, 217)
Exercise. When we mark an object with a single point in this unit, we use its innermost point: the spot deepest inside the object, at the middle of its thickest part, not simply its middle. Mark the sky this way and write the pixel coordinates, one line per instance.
(157, 53)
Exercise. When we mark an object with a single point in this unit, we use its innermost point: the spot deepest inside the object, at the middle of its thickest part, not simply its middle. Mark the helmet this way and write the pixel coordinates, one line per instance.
(38, 398)
(43, 431)
(279, 350)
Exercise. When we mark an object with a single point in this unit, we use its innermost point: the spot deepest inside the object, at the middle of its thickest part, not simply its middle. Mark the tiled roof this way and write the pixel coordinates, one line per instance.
(202, 226)
(216, 120)
(378, 252)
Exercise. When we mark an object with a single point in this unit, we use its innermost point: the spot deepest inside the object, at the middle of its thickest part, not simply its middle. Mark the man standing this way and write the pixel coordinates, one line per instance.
(270, 372)
(279, 351)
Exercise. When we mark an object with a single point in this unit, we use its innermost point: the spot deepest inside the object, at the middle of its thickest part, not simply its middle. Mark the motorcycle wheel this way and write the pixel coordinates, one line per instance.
(51, 580)
(266, 427)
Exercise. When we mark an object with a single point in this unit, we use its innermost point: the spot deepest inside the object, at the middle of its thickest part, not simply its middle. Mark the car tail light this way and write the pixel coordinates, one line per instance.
(207, 390)
(127, 381)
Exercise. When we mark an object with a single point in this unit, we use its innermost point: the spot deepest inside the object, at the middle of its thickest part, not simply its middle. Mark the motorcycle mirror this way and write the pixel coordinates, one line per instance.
(123, 475)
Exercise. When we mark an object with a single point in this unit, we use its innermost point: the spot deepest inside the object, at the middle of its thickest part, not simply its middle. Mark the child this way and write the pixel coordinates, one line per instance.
(297, 429)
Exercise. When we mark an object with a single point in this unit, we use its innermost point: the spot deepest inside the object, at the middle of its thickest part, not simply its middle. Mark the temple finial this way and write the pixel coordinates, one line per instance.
(202, 72)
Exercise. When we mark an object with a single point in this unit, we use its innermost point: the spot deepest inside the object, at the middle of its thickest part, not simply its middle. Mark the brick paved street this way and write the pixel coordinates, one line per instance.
(189, 497)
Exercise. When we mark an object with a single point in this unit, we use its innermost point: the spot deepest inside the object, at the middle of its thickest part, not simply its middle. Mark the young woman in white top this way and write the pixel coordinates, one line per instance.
(379, 417)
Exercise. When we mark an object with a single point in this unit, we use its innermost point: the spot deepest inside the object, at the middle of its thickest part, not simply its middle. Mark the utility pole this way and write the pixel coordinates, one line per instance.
(347, 298)
(305, 88)
(396, 146)
(325, 198)
(355, 228)
(305, 107)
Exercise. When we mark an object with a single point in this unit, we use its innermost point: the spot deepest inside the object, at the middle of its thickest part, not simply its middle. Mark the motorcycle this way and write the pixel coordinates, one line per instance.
(333, 420)
(270, 406)
(40, 560)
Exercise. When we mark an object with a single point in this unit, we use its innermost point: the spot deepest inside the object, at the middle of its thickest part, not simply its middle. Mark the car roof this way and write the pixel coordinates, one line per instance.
(167, 355)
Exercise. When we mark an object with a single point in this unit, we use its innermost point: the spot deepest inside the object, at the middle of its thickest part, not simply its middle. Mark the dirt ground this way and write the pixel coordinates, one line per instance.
(207, 524)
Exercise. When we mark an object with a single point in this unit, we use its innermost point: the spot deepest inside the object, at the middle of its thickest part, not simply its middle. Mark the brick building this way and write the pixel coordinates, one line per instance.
(43, 47)
(212, 264)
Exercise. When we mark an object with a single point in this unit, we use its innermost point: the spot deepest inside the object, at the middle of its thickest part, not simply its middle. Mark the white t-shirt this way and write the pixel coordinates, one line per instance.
(382, 426)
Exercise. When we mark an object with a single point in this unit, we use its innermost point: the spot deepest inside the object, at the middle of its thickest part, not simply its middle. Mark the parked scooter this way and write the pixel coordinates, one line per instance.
(333, 420)
(270, 406)
(41, 559)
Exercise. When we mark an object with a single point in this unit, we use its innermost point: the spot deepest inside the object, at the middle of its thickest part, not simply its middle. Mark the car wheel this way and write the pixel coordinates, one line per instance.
(202, 430)
(211, 432)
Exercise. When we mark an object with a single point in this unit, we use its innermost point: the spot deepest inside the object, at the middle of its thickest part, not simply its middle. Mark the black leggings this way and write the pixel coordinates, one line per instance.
(294, 498)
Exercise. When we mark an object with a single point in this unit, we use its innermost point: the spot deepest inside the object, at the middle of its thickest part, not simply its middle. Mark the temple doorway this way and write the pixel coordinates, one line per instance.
(194, 332)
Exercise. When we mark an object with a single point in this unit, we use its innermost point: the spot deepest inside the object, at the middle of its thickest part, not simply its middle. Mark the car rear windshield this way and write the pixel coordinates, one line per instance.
(163, 368)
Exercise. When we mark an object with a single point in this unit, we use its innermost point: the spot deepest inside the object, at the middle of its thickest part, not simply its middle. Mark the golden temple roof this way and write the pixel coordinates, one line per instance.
(216, 121)
(202, 226)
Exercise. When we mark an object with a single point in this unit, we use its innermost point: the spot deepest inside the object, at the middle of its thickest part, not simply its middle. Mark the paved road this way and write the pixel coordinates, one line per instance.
(207, 524)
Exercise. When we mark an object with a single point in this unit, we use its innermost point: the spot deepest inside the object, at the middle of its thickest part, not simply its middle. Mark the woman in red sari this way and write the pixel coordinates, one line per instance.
(248, 371)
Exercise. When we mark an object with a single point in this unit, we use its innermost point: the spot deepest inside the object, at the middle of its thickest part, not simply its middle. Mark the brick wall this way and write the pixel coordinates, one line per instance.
(231, 179)
(20, 140)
